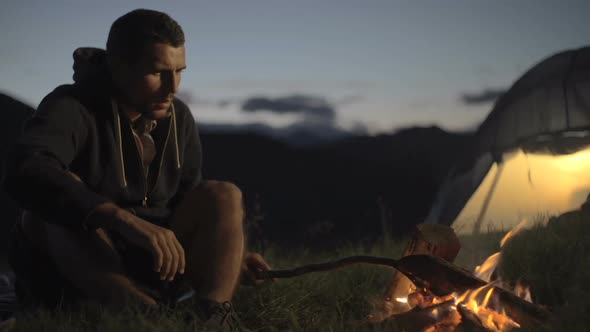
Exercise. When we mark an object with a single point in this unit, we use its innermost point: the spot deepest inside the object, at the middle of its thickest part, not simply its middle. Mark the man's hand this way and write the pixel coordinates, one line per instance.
(168, 254)
(253, 267)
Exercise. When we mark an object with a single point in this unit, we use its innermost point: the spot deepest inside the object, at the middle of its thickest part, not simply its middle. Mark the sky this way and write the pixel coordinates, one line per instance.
(378, 65)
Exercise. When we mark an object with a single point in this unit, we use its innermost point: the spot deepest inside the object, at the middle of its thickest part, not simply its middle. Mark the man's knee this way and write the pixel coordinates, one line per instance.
(211, 202)
(223, 194)
(211, 205)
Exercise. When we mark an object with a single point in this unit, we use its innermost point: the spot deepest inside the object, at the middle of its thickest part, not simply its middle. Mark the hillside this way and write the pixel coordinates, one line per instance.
(339, 191)
(313, 194)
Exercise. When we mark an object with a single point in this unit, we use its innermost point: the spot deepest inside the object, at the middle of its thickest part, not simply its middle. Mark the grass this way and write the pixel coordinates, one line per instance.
(554, 260)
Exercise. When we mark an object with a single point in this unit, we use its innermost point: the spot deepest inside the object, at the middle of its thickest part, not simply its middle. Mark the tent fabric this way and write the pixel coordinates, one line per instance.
(558, 144)
(531, 187)
(547, 110)
(456, 191)
(550, 99)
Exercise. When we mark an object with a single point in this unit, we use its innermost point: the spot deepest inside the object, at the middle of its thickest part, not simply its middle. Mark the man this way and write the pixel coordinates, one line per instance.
(109, 172)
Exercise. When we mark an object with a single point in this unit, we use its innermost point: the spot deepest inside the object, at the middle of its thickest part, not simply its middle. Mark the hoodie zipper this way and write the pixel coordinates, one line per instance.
(145, 186)
(119, 138)
(145, 172)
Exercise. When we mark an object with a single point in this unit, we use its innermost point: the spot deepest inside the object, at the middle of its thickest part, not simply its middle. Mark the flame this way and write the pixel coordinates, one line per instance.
(488, 267)
(402, 299)
(471, 300)
(488, 317)
(523, 291)
(516, 230)
(480, 301)
(480, 305)
(487, 298)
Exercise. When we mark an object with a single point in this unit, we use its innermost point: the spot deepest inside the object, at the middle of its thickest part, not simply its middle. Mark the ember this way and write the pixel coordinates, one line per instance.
(481, 306)
(491, 318)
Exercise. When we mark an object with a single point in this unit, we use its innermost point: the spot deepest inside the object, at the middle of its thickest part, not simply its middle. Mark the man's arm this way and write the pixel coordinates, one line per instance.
(39, 180)
(168, 254)
(37, 170)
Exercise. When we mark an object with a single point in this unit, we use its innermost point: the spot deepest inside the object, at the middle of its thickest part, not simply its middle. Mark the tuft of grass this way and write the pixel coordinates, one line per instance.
(476, 248)
(92, 317)
(318, 301)
(555, 261)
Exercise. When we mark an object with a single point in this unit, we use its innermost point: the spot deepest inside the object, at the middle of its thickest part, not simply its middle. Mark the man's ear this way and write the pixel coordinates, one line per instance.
(118, 68)
(114, 63)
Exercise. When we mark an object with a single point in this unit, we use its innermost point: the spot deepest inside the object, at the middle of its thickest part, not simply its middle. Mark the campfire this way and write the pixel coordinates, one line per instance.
(482, 306)
(428, 293)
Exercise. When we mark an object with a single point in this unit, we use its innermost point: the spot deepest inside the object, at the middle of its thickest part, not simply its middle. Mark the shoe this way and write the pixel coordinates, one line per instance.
(222, 317)
(176, 292)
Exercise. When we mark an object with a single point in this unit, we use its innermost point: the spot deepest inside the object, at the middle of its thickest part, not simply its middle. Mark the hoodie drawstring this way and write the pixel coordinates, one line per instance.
(176, 149)
(117, 118)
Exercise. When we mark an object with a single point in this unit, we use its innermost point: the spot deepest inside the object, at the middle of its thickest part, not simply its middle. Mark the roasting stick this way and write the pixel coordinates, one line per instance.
(425, 271)
(332, 265)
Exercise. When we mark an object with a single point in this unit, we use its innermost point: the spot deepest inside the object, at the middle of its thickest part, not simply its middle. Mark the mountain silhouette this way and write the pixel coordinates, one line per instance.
(322, 192)
(347, 190)
(297, 134)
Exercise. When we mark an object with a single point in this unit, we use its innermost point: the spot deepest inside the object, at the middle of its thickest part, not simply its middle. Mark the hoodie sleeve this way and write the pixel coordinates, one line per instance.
(37, 171)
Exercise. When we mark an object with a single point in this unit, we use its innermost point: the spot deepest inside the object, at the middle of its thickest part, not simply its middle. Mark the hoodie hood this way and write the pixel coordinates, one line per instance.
(90, 65)
(90, 69)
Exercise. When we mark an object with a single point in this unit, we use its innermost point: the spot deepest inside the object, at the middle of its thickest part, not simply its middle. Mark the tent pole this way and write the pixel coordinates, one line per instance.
(486, 202)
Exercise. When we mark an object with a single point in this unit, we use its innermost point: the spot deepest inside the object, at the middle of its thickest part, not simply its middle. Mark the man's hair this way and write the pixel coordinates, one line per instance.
(132, 32)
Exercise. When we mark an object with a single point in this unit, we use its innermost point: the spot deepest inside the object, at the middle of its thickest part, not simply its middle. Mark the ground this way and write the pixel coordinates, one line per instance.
(555, 260)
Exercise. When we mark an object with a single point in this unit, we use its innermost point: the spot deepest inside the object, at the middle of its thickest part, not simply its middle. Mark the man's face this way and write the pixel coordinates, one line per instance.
(150, 84)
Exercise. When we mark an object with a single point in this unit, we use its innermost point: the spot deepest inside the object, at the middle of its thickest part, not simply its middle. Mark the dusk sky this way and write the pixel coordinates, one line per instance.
(379, 64)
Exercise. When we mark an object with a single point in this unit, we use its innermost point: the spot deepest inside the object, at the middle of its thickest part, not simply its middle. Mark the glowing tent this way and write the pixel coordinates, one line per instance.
(533, 147)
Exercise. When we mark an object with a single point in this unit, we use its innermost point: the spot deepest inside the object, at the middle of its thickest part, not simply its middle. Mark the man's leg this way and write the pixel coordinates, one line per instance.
(209, 225)
(88, 260)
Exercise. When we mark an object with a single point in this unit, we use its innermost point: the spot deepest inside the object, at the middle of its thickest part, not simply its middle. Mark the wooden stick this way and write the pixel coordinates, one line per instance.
(332, 265)
(425, 271)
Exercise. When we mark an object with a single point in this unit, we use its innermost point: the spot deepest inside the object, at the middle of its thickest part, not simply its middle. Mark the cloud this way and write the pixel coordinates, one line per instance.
(308, 106)
(298, 84)
(186, 96)
(348, 100)
(313, 108)
(483, 97)
(224, 103)
(191, 99)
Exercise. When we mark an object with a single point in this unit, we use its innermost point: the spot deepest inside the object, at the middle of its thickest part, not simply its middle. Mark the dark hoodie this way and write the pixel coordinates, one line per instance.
(78, 128)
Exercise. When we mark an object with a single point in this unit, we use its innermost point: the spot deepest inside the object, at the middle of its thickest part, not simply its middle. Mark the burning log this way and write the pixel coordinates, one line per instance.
(436, 240)
(521, 310)
(468, 317)
(450, 314)
(440, 317)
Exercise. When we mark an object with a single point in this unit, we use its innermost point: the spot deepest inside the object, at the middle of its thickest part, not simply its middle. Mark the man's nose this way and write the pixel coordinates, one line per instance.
(171, 82)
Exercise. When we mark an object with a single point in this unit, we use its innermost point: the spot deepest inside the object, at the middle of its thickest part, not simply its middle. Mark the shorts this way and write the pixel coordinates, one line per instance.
(39, 281)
